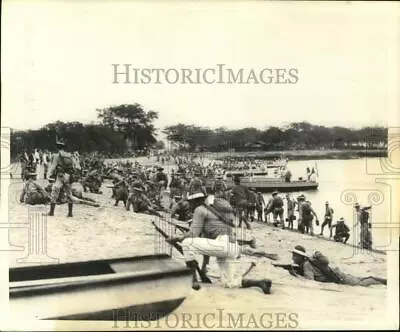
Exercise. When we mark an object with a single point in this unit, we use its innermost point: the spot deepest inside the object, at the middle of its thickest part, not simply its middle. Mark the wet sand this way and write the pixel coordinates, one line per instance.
(108, 232)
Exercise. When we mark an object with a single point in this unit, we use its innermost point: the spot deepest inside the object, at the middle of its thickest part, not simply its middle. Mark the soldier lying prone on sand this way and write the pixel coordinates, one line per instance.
(317, 268)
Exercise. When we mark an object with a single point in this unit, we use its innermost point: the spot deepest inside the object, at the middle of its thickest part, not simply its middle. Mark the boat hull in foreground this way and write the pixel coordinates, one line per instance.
(142, 288)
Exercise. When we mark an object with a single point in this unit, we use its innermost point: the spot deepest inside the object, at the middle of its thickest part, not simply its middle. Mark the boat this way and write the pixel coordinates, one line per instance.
(270, 179)
(263, 183)
(143, 287)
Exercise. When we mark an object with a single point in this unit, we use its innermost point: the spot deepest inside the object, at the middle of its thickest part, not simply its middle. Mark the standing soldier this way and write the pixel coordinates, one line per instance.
(275, 206)
(291, 205)
(219, 187)
(240, 201)
(45, 162)
(251, 207)
(162, 180)
(306, 215)
(63, 166)
(362, 216)
(327, 219)
(260, 203)
(23, 159)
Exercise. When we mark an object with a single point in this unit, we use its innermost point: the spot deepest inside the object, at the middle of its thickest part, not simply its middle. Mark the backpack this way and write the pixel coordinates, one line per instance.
(306, 208)
(277, 202)
(321, 262)
(223, 211)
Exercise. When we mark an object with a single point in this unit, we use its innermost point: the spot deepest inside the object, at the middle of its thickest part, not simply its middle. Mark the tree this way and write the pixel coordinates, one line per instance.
(132, 121)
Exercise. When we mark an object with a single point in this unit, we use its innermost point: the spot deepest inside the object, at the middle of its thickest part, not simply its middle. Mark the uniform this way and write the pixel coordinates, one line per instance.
(252, 205)
(290, 211)
(306, 215)
(220, 188)
(63, 165)
(342, 232)
(365, 233)
(259, 206)
(276, 207)
(33, 194)
(210, 236)
(327, 220)
(45, 162)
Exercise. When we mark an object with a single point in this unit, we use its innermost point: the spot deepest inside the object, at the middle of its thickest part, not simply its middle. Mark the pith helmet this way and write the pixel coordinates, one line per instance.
(60, 142)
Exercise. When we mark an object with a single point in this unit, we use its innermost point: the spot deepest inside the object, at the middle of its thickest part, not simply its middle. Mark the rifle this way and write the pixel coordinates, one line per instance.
(183, 228)
(289, 267)
(249, 252)
(178, 247)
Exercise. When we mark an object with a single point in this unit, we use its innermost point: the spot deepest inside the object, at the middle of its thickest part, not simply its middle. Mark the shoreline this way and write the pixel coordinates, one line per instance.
(87, 236)
(291, 154)
(302, 154)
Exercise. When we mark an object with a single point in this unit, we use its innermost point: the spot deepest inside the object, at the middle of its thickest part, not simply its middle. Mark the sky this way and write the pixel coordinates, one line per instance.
(57, 61)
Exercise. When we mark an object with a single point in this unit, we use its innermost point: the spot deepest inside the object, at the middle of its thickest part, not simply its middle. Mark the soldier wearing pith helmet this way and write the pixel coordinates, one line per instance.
(62, 168)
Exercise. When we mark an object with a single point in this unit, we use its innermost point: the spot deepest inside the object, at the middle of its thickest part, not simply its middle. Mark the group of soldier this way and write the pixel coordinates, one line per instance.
(247, 202)
(144, 188)
(64, 174)
(214, 217)
(213, 213)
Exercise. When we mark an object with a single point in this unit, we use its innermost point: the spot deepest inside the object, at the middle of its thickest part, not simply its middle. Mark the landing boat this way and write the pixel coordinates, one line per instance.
(264, 183)
(135, 288)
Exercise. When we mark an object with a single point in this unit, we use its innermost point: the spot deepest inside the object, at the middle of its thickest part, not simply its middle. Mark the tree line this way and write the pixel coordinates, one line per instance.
(297, 135)
(121, 130)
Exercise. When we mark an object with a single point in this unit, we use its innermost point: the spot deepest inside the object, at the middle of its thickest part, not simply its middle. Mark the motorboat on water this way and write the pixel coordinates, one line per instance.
(265, 183)
(270, 177)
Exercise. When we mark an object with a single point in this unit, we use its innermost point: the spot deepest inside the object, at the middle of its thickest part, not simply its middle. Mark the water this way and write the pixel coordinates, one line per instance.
(342, 183)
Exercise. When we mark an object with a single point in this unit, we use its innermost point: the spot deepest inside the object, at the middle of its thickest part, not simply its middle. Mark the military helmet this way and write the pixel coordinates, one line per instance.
(60, 142)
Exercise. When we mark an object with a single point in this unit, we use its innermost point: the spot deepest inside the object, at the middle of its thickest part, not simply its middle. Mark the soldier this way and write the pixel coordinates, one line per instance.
(291, 205)
(93, 181)
(251, 207)
(260, 203)
(196, 184)
(362, 215)
(181, 208)
(220, 187)
(306, 215)
(63, 166)
(275, 205)
(173, 187)
(211, 234)
(327, 219)
(32, 192)
(117, 178)
(240, 201)
(316, 267)
(23, 159)
(161, 178)
(342, 231)
(45, 162)
(140, 202)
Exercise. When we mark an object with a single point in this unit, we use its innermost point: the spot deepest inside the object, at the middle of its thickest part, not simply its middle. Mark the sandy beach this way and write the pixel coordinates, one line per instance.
(108, 232)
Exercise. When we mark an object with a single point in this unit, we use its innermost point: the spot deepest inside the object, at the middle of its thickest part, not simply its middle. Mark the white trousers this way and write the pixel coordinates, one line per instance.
(225, 251)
